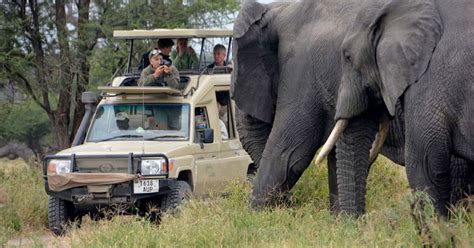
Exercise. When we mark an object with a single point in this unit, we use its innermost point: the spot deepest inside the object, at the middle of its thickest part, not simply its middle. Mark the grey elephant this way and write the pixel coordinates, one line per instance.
(420, 53)
(285, 80)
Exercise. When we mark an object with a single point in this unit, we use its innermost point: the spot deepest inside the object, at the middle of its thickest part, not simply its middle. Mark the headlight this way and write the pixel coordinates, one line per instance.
(59, 166)
(153, 167)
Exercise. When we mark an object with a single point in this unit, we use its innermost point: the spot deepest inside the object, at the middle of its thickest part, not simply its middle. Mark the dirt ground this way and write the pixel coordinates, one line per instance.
(46, 240)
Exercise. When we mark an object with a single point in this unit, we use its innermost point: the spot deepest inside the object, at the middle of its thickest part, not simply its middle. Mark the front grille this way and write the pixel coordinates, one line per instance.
(104, 165)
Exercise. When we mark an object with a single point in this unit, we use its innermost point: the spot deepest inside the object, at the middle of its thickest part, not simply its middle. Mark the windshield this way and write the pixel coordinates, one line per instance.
(140, 122)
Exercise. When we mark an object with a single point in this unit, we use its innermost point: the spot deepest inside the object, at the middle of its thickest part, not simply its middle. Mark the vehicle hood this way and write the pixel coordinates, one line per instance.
(126, 147)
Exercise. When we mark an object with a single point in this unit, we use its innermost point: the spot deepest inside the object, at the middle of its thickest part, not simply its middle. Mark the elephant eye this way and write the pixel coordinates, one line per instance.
(347, 57)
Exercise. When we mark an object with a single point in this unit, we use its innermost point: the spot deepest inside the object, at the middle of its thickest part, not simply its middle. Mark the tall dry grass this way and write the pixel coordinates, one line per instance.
(228, 221)
(23, 201)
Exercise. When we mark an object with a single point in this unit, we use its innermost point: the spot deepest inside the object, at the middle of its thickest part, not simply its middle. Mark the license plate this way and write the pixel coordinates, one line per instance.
(146, 186)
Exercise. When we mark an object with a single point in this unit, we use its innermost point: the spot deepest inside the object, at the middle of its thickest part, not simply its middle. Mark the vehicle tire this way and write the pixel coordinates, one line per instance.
(61, 213)
(179, 193)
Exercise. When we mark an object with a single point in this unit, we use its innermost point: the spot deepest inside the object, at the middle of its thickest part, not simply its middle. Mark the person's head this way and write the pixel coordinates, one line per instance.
(182, 43)
(219, 54)
(122, 120)
(155, 58)
(222, 100)
(165, 45)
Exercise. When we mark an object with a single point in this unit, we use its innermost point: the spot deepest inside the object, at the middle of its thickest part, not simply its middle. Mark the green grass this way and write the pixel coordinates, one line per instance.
(228, 221)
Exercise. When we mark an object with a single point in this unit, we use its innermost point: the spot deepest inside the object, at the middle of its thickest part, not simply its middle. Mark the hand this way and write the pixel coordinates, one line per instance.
(159, 71)
(167, 70)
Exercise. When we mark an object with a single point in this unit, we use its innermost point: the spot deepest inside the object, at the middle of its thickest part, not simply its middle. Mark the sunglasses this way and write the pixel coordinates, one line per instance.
(154, 52)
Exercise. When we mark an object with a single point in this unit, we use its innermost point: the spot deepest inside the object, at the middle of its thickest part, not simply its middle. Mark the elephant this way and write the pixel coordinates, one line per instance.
(420, 54)
(285, 81)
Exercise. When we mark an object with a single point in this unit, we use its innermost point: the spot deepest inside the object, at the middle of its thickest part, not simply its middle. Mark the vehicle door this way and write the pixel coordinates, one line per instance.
(233, 160)
(205, 154)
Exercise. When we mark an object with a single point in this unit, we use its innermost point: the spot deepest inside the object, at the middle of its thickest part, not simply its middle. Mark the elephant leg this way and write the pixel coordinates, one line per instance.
(332, 181)
(428, 158)
(352, 153)
(293, 141)
(253, 134)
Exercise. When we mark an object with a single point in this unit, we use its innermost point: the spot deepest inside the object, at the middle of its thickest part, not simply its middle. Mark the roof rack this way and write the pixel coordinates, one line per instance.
(170, 33)
(137, 90)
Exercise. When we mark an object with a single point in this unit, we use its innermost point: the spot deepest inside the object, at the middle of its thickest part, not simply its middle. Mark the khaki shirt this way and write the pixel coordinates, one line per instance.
(148, 79)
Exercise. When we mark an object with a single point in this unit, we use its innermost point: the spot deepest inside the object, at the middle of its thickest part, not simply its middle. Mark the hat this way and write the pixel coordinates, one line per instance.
(153, 53)
(121, 116)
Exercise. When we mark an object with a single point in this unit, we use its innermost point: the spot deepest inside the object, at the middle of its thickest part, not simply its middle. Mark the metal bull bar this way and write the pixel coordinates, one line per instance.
(131, 157)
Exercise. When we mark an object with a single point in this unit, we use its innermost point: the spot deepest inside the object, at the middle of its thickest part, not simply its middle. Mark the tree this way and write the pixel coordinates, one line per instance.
(47, 47)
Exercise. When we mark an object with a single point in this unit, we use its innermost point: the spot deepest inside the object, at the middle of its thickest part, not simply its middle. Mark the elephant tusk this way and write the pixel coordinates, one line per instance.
(379, 138)
(333, 137)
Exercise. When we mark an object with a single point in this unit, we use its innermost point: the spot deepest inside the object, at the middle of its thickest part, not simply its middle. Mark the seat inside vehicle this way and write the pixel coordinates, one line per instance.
(183, 81)
(219, 70)
(130, 81)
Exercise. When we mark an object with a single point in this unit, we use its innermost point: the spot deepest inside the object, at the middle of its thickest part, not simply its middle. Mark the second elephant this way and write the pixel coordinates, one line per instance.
(419, 52)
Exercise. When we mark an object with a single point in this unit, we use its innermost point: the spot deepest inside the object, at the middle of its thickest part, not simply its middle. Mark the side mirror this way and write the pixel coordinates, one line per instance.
(205, 136)
(208, 135)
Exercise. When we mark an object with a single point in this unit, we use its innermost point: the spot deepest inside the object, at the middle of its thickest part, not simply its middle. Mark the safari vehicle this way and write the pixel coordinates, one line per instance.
(145, 149)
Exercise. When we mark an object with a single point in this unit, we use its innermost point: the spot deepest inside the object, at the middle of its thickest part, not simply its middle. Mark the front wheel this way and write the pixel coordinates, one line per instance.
(60, 214)
(179, 193)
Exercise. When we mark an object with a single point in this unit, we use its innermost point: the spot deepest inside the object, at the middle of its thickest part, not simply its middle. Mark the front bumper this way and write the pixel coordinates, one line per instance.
(102, 192)
(118, 194)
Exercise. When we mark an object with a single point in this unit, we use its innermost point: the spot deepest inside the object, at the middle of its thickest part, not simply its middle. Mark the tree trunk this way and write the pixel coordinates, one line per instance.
(84, 48)
(352, 153)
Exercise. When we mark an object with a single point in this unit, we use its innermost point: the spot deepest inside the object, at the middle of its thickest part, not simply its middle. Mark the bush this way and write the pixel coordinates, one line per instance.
(26, 123)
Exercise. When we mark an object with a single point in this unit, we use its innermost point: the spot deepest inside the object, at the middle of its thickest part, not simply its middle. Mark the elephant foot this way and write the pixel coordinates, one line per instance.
(271, 199)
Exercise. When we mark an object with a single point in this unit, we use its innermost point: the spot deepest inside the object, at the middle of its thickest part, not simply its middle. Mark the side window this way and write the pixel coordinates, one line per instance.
(226, 121)
(201, 119)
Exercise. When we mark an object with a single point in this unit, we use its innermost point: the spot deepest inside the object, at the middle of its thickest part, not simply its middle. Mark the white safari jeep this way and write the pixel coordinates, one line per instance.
(145, 149)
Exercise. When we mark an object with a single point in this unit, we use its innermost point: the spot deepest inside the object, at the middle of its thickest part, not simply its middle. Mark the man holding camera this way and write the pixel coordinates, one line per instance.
(159, 73)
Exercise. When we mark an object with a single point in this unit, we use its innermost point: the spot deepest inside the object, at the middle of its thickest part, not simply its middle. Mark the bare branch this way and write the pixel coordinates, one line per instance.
(28, 88)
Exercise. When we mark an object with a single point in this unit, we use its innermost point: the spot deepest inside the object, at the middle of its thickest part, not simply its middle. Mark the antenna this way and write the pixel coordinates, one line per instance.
(143, 119)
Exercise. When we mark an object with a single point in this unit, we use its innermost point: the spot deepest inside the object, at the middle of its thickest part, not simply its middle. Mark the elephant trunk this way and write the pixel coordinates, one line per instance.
(352, 153)
(379, 138)
(333, 137)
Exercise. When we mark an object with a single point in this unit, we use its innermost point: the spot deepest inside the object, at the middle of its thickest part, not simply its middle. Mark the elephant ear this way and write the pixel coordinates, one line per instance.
(255, 61)
(404, 36)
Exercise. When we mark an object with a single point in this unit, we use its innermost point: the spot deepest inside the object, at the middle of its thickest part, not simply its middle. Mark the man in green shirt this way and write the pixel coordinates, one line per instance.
(158, 74)
(184, 57)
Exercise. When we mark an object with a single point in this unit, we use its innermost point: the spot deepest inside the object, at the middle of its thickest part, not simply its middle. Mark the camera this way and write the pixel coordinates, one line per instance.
(165, 62)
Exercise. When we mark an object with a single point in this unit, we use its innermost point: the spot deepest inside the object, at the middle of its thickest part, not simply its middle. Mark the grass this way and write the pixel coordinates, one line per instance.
(23, 202)
(228, 221)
